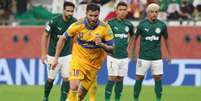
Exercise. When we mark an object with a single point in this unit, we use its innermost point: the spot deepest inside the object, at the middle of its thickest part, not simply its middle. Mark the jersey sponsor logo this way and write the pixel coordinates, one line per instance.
(121, 36)
(157, 30)
(152, 38)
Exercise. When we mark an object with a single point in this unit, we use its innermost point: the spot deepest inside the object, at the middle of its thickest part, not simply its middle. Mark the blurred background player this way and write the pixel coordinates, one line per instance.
(92, 39)
(53, 30)
(151, 30)
(117, 63)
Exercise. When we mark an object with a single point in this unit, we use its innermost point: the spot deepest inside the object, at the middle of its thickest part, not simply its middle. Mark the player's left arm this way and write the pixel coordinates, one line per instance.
(130, 34)
(108, 44)
(167, 42)
(130, 41)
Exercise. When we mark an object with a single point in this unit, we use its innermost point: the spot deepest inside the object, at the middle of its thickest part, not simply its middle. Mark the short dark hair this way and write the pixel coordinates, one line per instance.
(67, 3)
(121, 3)
(199, 8)
(93, 7)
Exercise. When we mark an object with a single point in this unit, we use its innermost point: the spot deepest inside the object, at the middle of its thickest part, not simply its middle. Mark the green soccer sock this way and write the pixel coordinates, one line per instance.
(64, 90)
(158, 89)
(108, 90)
(136, 99)
(137, 89)
(158, 99)
(48, 87)
(118, 90)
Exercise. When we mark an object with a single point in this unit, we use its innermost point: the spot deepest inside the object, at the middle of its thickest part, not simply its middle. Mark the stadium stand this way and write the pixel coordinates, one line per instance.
(37, 12)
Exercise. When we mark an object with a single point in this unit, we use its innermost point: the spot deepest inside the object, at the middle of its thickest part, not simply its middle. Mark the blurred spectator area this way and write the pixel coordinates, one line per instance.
(37, 12)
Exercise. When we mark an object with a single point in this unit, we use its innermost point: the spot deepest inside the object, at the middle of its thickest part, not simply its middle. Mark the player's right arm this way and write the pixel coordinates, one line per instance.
(167, 43)
(133, 42)
(108, 44)
(44, 44)
(66, 35)
(59, 48)
(44, 40)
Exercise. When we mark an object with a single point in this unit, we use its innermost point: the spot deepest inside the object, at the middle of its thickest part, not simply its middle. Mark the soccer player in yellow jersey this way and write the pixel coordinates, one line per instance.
(92, 38)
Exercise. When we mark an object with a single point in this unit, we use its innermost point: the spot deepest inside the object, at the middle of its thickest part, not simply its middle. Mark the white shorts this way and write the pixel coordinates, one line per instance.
(117, 67)
(63, 66)
(142, 66)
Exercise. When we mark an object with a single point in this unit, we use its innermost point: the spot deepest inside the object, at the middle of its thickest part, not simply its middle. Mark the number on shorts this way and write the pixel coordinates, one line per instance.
(139, 63)
(110, 64)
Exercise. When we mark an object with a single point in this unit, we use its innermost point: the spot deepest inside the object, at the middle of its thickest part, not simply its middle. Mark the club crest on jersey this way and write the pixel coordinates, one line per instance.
(157, 30)
(126, 28)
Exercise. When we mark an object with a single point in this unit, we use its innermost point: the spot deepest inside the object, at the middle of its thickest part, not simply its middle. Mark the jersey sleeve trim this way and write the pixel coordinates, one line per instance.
(87, 44)
(67, 36)
(109, 42)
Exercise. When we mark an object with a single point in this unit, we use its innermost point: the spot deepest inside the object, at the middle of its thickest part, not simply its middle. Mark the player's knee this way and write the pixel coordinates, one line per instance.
(50, 80)
(157, 77)
(120, 78)
(74, 85)
(139, 77)
(65, 79)
(112, 78)
(81, 93)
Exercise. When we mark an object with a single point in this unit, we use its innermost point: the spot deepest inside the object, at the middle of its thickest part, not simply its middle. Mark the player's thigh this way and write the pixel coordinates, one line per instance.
(90, 78)
(142, 66)
(52, 72)
(157, 67)
(87, 84)
(123, 67)
(112, 66)
(65, 69)
(76, 74)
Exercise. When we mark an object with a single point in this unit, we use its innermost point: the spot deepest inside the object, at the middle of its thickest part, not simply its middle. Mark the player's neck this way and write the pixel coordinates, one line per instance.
(119, 18)
(152, 20)
(65, 18)
(89, 25)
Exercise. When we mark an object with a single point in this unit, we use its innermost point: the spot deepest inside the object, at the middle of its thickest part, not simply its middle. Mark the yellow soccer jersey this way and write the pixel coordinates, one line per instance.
(85, 54)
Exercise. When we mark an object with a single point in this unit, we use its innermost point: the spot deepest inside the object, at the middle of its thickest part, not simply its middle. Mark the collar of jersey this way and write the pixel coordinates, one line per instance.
(152, 22)
(91, 27)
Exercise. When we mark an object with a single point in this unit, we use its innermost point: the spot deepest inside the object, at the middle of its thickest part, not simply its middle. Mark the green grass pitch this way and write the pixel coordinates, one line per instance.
(35, 93)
